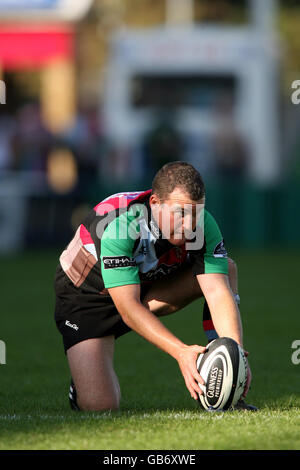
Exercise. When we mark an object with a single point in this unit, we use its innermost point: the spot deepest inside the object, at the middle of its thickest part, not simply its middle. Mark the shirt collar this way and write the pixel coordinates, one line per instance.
(151, 223)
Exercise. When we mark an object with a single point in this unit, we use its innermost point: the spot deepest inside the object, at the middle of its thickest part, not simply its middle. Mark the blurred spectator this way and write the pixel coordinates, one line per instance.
(230, 154)
(199, 152)
(31, 140)
(7, 129)
(86, 141)
(25, 142)
(161, 145)
(230, 150)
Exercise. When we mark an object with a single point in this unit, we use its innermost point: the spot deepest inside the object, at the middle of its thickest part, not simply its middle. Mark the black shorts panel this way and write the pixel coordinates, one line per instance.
(80, 315)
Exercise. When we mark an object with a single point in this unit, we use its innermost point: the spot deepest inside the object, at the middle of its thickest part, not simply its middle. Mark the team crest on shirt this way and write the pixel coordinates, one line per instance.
(161, 271)
(154, 229)
(220, 250)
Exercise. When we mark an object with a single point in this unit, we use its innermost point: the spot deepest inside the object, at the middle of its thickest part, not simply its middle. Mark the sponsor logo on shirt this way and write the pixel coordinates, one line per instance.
(111, 262)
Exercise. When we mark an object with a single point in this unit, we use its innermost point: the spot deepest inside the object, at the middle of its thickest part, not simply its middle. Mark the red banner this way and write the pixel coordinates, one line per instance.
(32, 47)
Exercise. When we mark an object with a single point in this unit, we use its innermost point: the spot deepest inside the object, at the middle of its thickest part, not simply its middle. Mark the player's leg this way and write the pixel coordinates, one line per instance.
(172, 293)
(95, 382)
(175, 292)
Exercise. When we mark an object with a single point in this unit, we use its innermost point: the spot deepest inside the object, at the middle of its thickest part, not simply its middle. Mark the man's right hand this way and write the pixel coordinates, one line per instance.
(187, 358)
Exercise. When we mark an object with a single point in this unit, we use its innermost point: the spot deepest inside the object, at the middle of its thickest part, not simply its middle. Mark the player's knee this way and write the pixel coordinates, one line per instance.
(95, 400)
(94, 403)
(165, 309)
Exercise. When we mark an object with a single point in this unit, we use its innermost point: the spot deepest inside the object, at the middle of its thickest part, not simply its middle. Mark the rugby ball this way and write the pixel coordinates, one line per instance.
(223, 368)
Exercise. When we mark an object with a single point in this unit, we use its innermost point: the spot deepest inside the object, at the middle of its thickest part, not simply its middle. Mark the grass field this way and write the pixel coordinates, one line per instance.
(156, 410)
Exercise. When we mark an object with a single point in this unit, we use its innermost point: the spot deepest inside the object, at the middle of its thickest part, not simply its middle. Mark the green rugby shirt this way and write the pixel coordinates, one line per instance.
(119, 243)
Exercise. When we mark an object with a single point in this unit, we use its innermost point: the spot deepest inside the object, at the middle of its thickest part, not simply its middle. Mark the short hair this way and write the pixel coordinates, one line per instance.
(180, 175)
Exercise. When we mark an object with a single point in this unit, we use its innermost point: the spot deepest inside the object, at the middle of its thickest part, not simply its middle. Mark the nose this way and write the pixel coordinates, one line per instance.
(188, 223)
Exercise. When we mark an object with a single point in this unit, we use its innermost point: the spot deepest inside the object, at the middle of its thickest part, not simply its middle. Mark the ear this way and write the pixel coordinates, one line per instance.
(154, 199)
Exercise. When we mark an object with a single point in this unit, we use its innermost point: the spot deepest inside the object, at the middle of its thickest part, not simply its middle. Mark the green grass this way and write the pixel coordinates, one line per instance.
(156, 409)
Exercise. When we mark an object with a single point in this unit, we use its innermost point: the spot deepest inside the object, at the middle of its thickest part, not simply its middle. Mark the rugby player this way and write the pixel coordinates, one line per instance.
(136, 257)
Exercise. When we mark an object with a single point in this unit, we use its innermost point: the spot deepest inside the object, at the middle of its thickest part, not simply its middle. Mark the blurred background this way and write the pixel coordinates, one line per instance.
(99, 94)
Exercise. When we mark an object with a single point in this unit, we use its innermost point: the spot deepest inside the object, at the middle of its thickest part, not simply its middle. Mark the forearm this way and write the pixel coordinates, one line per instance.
(147, 325)
(225, 315)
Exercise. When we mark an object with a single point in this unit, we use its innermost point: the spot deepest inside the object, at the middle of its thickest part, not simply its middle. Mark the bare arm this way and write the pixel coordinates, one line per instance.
(145, 323)
(223, 309)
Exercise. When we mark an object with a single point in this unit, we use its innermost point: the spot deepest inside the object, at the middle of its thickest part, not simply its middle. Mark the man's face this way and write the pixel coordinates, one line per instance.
(177, 216)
